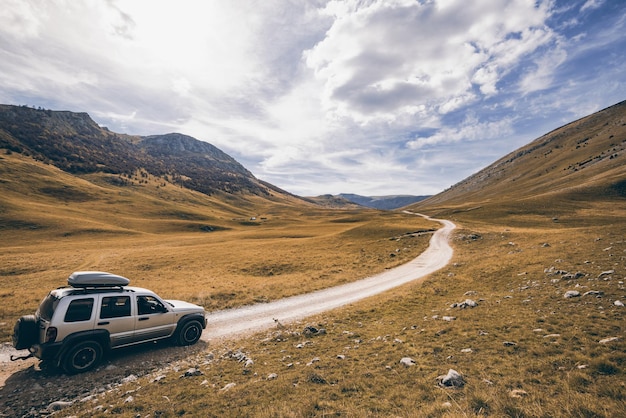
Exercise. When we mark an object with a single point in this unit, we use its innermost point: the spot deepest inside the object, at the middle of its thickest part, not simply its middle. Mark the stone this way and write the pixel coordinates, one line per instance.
(518, 393)
(58, 405)
(509, 344)
(571, 294)
(228, 387)
(272, 376)
(618, 303)
(609, 340)
(407, 361)
(453, 379)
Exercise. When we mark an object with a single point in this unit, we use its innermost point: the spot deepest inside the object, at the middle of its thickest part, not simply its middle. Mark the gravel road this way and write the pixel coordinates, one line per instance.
(233, 322)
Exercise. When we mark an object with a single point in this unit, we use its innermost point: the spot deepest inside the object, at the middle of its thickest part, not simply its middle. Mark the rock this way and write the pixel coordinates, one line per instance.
(58, 405)
(571, 294)
(467, 350)
(509, 344)
(606, 273)
(452, 379)
(193, 372)
(313, 361)
(448, 318)
(609, 340)
(272, 376)
(618, 303)
(129, 399)
(341, 357)
(407, 361)
(552, 336)
(129, 378)
(593, 293)
(468, 303)
(228, 387)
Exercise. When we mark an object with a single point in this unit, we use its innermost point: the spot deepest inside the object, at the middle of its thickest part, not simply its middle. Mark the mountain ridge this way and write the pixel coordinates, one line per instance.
(76, 144)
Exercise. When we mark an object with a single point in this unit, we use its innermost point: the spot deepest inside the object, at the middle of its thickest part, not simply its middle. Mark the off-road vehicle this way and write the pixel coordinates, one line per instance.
(77, 324)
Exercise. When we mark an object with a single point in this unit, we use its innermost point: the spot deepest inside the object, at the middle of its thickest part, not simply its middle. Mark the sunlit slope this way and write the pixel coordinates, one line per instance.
(581, 161)
(40, 199)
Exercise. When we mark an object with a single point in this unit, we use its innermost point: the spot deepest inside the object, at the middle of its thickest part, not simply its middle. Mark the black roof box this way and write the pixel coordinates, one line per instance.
(96, 279)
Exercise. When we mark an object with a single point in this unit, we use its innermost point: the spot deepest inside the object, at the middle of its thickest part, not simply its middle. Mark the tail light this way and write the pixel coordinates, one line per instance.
(51, 334)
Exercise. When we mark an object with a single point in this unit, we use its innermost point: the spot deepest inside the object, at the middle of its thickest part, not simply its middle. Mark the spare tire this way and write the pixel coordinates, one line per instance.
(25, 332)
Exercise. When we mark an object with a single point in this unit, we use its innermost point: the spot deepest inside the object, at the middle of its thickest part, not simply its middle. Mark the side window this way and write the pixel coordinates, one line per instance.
(115, 307)
(79, 310)
(149, 305)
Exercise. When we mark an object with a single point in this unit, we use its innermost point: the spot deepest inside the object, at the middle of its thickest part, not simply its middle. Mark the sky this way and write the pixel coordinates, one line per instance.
(373, 97)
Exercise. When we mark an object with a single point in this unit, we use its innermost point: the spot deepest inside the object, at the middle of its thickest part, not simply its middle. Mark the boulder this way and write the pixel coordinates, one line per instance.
(453, 379)
(407, 361)
(571, 294)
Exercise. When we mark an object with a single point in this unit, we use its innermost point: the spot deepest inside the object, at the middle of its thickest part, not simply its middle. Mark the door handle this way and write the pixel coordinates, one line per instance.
(143, 319)
(104, 323)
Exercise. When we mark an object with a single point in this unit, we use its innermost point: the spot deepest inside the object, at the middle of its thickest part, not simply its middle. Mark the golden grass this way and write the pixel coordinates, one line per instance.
(506, 255)
(257, 252)
(557, 366)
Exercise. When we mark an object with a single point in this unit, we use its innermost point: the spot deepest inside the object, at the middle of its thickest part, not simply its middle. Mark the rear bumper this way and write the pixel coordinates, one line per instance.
(46, 351)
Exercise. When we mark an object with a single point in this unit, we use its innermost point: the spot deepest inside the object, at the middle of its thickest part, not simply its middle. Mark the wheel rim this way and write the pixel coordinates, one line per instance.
(84, 358)
(192, 333)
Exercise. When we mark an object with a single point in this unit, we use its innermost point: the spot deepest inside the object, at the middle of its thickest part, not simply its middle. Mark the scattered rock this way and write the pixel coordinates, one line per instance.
(618, 303)
(193, 372)
(606, 273)
(311, 330)
(228, 387)
(609, 340)
(452, 379)
(58, 405)
(129, 378)
(571, 294)
(593, 293)
(552, 336)
(448, 318)
(341, 357)
(509, 344)
(272, 376)
(407, 361)
(129, 399)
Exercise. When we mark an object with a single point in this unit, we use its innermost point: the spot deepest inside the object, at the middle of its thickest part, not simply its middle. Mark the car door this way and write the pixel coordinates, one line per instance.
(154, 318)
(116, 317)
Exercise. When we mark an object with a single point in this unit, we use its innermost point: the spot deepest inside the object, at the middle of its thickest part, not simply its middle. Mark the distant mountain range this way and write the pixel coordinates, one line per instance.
(383, 202)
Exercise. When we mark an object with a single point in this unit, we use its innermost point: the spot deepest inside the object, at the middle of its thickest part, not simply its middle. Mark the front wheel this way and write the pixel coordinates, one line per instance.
(189, 333)
(82, 357)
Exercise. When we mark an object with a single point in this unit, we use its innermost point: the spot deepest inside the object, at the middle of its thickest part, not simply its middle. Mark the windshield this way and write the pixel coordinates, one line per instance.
(47, 307)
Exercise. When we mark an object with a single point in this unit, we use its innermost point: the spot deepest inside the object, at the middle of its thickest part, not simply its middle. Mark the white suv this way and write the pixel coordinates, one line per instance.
(75, 325)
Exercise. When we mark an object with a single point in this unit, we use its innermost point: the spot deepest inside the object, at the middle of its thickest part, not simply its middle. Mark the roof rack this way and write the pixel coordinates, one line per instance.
(96, 279)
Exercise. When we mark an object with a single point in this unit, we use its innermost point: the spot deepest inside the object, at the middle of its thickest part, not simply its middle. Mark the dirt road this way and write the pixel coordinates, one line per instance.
(232, 322)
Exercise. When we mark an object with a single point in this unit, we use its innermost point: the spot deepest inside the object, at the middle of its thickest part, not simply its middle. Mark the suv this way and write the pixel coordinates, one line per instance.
(75, 325)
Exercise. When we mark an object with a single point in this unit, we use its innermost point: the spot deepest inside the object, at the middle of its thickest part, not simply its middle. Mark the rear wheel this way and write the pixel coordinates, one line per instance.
(82, 357)
(189, 333)
(25, 332)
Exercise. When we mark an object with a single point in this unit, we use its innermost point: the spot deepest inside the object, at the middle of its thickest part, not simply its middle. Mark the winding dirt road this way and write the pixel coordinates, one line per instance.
(233, 322)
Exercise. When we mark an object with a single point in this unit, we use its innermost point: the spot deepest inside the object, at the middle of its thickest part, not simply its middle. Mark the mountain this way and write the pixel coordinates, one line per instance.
(382, 202)
(580, 162)
(74, 143)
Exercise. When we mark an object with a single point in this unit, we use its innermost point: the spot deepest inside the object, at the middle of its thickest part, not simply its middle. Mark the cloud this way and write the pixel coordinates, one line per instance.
(323, 95)
(384, 58)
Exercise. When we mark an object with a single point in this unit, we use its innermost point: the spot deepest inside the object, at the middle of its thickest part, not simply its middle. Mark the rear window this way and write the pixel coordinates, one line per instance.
(47, 307)
(79, 310)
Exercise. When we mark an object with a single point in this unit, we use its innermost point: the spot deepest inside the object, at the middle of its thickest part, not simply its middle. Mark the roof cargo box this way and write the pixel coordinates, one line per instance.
(96, 279)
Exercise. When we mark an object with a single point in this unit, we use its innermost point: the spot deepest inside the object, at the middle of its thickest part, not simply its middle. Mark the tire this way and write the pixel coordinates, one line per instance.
(25, 332)
(82, 357)
(189, 333)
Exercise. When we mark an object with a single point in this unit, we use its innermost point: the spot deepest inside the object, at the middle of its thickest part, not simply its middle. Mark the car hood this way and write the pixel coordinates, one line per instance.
(182, 306)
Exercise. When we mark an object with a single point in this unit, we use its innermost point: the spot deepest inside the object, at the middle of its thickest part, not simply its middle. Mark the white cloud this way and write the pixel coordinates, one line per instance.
(591, 4)
(383, 58)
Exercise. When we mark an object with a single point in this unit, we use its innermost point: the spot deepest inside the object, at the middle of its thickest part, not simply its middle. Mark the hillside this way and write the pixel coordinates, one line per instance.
(383, 202)
(581, 161)
(74, 143)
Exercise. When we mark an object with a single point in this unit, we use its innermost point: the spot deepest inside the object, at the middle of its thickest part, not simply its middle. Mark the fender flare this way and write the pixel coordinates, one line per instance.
(101, 336)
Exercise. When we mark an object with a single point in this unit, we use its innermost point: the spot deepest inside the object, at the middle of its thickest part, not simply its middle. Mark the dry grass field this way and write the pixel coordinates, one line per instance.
(524, 351)
(181, 244)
